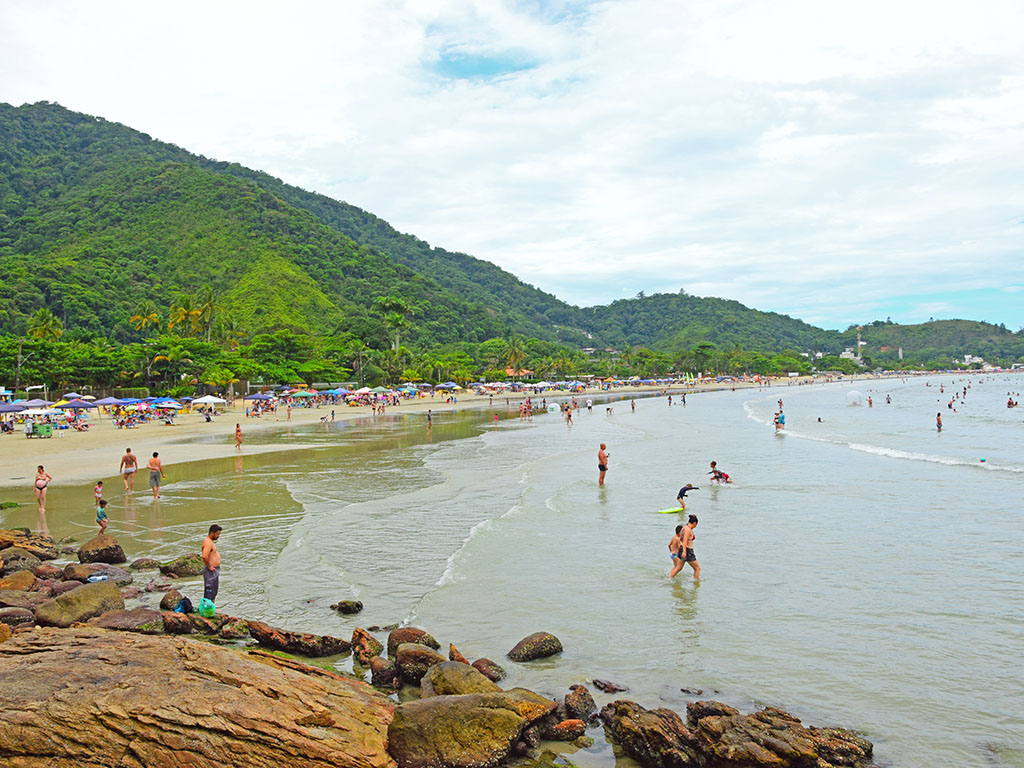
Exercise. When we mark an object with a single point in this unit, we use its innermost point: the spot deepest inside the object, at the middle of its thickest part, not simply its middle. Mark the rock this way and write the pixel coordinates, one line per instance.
(64, 586)
(37, 544)
(234, 629)
(579, 704)
(5, 633)
(567, 730)
(48, 571)
(348, 606)
(414, 660)
(15, 559)
(489, 669)
(299, 643)
(101, 549)
(539, 645)
(157, 584)
(409, 635)
(655, 738)
(206, 626)
(365, 646)
(130, 593)
(79, 605)
(608, 687)
(454, 655)
(71, 549)
(384, 673)
(160, 702)
(584, 742)
(144, 564)
(170, 600)
(187, 565)
(15, 598)
(475, 730)
(82, 572)
(453, 678)
(773, 738)
(144, 620)
(176, 623)
(12, 617)
(21, 581)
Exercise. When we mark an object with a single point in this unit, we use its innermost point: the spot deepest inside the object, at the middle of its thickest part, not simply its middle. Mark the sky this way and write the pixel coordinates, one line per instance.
(838, 162)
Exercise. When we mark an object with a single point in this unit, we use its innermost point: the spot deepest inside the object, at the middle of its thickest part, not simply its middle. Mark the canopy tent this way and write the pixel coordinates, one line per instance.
(72, 396)
(448, 385)
(61, 402)
(363, 391)
(42, 412)
(35, 403)
(379, 390)
(174, 405)
(109, 401)
(302, 393)
(258, 396)
(76, 403)
(11, 408)
(208, 400)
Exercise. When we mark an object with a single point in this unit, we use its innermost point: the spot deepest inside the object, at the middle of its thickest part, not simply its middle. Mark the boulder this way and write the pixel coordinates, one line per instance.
(48, 571)
(170, 600)
(409, 635)
(13, 617)
(365, 646)
(80, 604)
(88, 697)
(476, 730)
(144, 620)
(101, 549)
(348, 606)
(539, 645)
(130, 593)
(22, 581)
(64, 586)
(144, 564)
(82, 572)
(299, 643)
(16, 598)
(176, 623)
(579, 704)
(5, 633)
(234, 629)
(384, 673)
(655, 738)
(609, 687)
(454, 655)
(206, 626)
(15, 559)
(187, 565)
(414, 660)
(773, 738)
(489, 669)
(567, 730)
(37, 544)
(453, 678)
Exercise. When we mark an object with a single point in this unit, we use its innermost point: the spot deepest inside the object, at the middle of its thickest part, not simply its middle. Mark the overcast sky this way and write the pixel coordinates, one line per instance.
(840, 162)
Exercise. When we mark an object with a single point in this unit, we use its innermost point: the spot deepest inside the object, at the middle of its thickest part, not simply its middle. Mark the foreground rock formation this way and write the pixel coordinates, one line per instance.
(89, 697)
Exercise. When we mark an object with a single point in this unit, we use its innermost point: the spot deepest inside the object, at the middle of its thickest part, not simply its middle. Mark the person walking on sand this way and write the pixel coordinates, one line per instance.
(238, 437)
(129, 464)
(602, 463)
(43, 479)
(101, 515)
(211, 564)
(156, 474)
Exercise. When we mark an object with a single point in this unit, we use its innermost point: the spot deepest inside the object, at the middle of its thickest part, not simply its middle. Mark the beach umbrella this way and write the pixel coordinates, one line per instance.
(88, 397)
(302, 393)
(72, 396)
(258, 396)
(343, 391)
(11, 408)
(363, 391)
(173, 405)
(76, 403)
(379, 390)
(36, 403)
(109, 401)
(208, 400)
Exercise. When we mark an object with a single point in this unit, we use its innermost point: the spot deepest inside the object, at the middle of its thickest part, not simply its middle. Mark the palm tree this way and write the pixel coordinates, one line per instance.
(185, 313)
(146, 315)
(394, 308)
(515, 353)
(175, 357)
(209, 306)
(45, 325)
(228, 331)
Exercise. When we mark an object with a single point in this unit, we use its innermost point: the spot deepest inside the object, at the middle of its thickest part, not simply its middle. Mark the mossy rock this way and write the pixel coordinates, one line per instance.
(187, 565)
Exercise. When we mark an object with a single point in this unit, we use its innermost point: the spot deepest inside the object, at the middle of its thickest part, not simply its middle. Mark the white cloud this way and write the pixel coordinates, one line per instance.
(815, 158)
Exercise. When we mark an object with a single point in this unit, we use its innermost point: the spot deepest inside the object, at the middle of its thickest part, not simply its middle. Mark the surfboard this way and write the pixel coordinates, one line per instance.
(669, 511)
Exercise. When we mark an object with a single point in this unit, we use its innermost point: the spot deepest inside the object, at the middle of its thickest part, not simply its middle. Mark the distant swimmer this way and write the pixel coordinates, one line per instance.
(681, 496)
(602, 463)
(938, 421)
(718, 475)
(888, 399)
(670, 399)
(632, 405)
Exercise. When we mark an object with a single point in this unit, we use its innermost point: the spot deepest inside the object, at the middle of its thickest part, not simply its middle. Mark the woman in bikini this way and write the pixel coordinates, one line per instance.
(43, 479)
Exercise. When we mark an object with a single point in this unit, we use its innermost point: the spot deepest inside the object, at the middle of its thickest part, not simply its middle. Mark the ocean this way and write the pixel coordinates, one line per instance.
(863, 570)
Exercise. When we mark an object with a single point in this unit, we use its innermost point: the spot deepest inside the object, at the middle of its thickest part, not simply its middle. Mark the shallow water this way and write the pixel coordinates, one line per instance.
(863, 571)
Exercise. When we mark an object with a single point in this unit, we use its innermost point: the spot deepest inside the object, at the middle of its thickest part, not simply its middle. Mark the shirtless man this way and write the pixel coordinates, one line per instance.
(602, 463)
(129, 465)
(156, 474)
(211, 564)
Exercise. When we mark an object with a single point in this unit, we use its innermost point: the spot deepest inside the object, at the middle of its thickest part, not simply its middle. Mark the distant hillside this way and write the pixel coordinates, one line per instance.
(954, 338)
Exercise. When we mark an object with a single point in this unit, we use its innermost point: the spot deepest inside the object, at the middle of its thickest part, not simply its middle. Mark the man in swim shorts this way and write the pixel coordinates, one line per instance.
(211, 563)
(602, 463)
(129, 464)
(156, 474)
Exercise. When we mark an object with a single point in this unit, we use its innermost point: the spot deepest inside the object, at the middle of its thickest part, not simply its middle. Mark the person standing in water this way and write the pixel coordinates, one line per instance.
(211, 564)
(238, 437)
(938, 422)
(686, 552)
(676, 552)
(602, 463)
(101, 515)
(156, 474)
(43, 479)
(129, 464)
(681, 496)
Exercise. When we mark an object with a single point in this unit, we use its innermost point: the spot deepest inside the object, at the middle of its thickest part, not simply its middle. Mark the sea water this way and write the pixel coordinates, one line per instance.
(862, 570)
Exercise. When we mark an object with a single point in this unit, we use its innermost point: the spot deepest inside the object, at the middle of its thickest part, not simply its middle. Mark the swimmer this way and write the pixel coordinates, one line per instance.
(632, 405)
(718, 475)
(938, 421)
(602, 463)
(681, 496)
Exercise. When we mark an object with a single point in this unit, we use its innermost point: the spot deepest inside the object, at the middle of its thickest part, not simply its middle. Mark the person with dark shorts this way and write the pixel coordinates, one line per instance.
(686, 550)
(211, 564)
(602, 463)
(681, 498)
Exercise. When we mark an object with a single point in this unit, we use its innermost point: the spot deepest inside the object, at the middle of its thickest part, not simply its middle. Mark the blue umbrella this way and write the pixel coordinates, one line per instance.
(11, 407)
(258, 396)
(109, 401)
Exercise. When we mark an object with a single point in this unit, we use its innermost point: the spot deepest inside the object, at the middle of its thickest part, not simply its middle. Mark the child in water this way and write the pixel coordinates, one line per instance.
(718, 475)
(101, 515)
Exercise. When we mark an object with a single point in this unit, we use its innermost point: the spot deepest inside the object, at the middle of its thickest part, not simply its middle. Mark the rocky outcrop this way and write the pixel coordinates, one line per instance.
(475, 730)
(299, 643)
(15, 559)
(384, 673)
(655, 738)
(48, 571)
(5, 633)
(579, 704)
(365, 646)
(454, 655)
(567, 730)
(101, 549)
(170, 600)
(539, 645)
(14, 617)
(144, 564)
(80, 604)
(414, 660)
(489, 669)
(16, 598)
(176, 623)
(410, 635)
(144, 620)
(21, 581)
(207, 626)
(453, 678)
(348, 606)
(83, 571)
(88, 697)
(234, 629)
(771, 738)
(187, 565)
(37, 544)
(61, 587)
